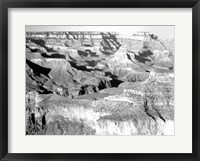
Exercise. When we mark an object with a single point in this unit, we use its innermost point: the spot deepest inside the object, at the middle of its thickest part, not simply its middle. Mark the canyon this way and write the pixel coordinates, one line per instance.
(98, 83)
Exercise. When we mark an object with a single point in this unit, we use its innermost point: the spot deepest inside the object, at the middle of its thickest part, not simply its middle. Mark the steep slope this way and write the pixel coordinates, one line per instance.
(36, 77)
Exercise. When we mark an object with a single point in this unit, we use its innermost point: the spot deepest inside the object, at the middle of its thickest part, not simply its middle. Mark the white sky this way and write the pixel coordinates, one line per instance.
(163, 32)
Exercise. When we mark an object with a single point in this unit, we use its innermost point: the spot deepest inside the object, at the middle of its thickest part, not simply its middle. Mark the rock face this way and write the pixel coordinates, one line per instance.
(92, 84)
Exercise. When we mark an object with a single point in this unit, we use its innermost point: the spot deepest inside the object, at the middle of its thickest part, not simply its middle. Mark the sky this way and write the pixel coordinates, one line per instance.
(163, 32)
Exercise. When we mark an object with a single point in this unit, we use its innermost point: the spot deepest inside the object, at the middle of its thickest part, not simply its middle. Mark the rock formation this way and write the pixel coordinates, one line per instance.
(92, 83)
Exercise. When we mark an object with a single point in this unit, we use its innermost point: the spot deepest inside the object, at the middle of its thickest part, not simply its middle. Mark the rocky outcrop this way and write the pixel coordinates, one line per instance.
(143, 111)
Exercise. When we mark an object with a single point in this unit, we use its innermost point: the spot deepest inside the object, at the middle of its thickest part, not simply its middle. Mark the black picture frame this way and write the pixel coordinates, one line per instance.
(6, 4)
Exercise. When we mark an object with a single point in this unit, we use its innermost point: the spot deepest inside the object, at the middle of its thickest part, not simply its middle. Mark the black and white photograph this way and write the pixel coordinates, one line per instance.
(100, 80)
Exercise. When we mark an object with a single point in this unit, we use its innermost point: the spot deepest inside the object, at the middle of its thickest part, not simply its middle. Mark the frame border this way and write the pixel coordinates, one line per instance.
(6, 4)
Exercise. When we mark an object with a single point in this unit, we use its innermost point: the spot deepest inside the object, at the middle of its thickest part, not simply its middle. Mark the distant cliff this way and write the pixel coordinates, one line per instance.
(64, 35)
